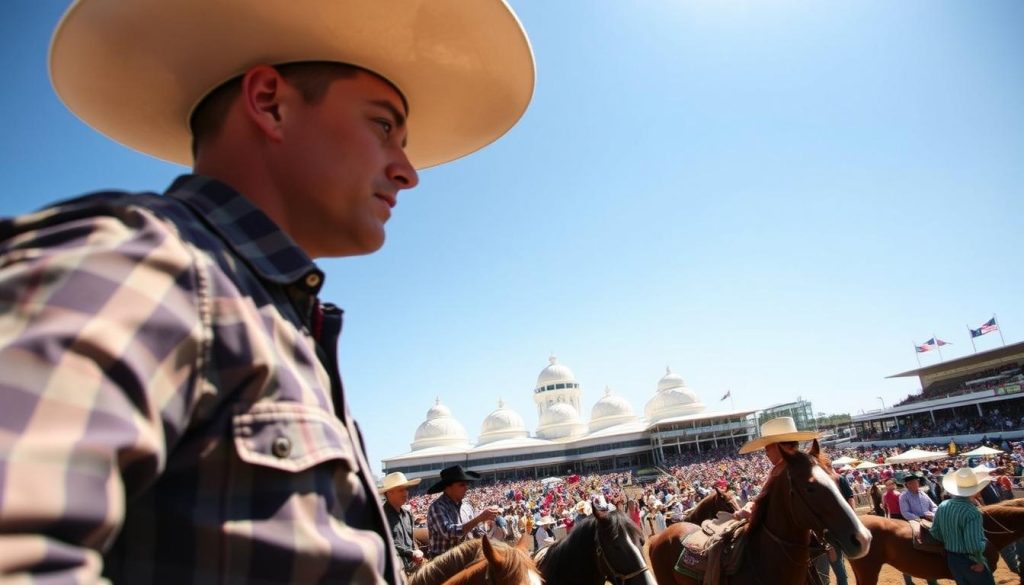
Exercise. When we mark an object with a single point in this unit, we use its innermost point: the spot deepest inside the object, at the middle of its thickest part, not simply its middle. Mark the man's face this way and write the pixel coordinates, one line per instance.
(341, 163)
(457, 491)
(912, 485)
(397, 497)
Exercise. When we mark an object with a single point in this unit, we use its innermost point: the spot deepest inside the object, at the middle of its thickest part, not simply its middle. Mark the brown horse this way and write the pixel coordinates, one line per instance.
(668, 544)
(1003, 522)
(480, 561)
(799, 496)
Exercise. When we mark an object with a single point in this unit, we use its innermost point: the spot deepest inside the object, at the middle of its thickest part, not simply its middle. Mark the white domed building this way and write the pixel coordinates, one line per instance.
(615, 438)
(673, 399)
(441, 429)
(501, 424)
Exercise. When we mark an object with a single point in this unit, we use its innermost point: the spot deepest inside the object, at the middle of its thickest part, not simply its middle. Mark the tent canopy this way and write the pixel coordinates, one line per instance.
(916, 456)
(981, 451)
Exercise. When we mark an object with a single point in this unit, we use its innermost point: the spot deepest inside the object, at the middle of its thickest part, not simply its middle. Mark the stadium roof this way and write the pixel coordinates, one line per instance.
(975, 358)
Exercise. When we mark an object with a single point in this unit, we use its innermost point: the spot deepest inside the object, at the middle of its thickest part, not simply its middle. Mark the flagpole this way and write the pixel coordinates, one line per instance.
(1001, 338)
(938, 346)
(971, 333)
(917, 354)
(732, 401)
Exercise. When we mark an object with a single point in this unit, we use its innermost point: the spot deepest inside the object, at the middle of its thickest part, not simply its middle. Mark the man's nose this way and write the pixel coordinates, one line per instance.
(403, 174)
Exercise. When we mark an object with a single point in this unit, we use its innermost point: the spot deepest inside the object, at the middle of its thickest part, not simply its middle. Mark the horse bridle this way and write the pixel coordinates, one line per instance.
(609, 571)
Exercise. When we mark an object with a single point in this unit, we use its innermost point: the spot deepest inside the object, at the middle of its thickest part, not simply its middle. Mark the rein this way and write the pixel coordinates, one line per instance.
(609, 571)
(1004, 530)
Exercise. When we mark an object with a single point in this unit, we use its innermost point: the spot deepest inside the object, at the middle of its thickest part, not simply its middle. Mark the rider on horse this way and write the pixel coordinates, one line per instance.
(777, 435)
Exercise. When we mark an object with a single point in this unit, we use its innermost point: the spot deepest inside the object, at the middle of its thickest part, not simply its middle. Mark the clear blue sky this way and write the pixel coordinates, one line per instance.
(771, 197)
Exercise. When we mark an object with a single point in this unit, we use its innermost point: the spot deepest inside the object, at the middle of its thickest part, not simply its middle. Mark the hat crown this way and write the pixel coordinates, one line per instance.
(778, 426)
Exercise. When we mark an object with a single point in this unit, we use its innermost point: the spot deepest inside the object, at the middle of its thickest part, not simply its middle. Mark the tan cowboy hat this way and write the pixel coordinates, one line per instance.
(964, 482)
(134, 70)
(778, 430)
(396, 480)
(545, 521)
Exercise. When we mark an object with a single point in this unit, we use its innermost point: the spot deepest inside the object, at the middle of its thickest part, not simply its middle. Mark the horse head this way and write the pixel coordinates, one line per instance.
(507, 565)
(713, 503)
(618, 545)
(815, 503)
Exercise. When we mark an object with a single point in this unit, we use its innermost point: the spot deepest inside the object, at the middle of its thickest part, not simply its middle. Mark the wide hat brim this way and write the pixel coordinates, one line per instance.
(950, 485)
(447, 481)
(135, 70)
(760, 442)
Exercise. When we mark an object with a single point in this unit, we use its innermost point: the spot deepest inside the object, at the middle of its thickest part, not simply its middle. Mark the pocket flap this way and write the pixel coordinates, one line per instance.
(290, 436)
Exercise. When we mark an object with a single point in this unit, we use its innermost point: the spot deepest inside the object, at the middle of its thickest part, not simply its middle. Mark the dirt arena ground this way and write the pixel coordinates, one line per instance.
(891, 576)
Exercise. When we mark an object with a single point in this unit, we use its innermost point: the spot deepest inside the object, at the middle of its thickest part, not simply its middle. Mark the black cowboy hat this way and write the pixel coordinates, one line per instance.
(913, 475)
(450, 475)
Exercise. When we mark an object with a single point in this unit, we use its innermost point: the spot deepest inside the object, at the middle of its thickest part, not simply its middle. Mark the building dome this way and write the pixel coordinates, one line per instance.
(440, 429)
(555, 373)
(609, 411)
(558, 414)
(560, 420)
(672, 399)
(670, 380)
(503, 423)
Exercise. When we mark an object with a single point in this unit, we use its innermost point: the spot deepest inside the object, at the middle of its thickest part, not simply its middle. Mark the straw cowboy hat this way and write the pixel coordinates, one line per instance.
(964, 482)
(135, 70)
(396, 480)
(545, 521)
(778, 430)
(450, 475)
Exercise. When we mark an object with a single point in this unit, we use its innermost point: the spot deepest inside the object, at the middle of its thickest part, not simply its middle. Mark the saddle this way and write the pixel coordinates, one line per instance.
(922, 537)
(714, 550)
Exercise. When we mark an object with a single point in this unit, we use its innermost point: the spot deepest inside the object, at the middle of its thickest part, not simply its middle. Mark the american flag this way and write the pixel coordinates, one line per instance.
(986, 327)
(936, 342)
(923, 348)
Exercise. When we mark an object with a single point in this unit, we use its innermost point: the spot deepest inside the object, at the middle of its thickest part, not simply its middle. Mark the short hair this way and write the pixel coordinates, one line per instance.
(310, 78)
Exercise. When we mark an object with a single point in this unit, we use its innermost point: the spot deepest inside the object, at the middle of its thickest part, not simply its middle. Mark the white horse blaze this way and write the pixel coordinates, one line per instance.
(863, 534)
(648, 578)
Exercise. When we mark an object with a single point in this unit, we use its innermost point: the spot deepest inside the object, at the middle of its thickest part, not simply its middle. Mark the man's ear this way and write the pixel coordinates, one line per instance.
(263, 91)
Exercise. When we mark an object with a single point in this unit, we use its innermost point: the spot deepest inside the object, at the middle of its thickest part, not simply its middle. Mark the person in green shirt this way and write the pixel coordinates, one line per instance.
(958, 525)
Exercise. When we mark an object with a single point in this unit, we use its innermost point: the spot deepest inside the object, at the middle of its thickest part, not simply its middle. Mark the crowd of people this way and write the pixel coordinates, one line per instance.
(1009, 415)
(688, 478)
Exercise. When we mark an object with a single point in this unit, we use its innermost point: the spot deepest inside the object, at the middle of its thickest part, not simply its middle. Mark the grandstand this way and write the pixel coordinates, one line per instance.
(965, 400)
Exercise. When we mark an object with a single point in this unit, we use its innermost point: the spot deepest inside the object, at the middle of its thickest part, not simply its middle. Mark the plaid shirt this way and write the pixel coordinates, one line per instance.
(445, 520)
(170, 404)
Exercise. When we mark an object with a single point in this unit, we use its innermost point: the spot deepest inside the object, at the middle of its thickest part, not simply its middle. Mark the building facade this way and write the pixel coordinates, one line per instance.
(614, 438)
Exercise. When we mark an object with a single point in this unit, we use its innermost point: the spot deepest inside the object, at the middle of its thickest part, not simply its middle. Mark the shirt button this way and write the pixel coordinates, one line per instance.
(281, 447)
(312, 280)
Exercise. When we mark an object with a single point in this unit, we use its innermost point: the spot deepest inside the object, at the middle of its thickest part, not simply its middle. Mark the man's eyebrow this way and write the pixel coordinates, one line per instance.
(397, 115)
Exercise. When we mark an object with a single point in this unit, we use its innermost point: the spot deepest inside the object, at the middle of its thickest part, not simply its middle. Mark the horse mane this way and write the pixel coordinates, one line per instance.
(444, 566)
(566, 553)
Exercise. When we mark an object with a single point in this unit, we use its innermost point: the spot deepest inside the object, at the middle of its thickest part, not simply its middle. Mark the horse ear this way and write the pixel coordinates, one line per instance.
(815, 450)
(489, 553)
(524, 541)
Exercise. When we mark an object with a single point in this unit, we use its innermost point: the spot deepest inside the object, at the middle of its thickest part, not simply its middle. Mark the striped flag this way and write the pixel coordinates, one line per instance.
(986, 327)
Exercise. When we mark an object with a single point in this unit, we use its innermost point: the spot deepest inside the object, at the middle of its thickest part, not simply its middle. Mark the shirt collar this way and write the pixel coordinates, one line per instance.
(252, 235)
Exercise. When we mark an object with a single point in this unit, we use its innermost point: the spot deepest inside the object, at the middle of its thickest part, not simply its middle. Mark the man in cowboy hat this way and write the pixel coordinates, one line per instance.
(395, 489)
(777, 435)
(451, 518)
(914, 504)
(958, 524)
(172, 410)
(780, 435)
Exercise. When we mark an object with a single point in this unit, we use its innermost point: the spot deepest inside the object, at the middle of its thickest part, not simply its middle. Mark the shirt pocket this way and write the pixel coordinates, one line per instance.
(291, 437)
